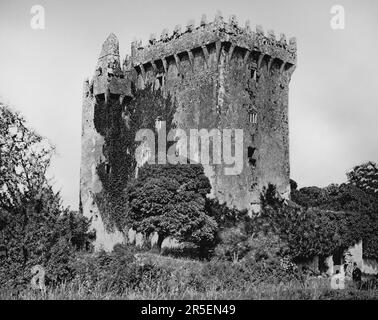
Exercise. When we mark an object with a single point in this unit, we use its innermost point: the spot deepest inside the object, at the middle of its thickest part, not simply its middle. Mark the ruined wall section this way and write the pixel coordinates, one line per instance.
(224, 76)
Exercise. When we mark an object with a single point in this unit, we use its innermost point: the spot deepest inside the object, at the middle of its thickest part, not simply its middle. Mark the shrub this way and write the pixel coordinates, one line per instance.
(117, 271)
(343, 215)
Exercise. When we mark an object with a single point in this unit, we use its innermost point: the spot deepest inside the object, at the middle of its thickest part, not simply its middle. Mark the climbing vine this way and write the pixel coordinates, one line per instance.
(337, 216)
(118, 124)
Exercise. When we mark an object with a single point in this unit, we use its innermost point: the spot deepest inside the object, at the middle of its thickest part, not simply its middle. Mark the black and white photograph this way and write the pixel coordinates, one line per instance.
(197, 152)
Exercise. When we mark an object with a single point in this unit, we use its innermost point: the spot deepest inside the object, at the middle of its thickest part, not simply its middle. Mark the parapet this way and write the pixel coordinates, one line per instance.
(217, 31)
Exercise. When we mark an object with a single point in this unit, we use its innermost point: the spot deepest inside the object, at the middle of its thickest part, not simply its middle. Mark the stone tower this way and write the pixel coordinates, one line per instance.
(222, 76)
(108, 83)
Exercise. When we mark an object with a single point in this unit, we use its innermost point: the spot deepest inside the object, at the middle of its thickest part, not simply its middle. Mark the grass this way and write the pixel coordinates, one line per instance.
(186, 280)
(312, 290)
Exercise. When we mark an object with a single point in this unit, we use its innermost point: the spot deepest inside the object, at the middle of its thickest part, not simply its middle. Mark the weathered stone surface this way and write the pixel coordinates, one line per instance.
(209, 34)
(221, 76)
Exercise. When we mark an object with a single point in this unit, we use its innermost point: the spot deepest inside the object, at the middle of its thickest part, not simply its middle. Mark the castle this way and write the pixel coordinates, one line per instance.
(221, 75)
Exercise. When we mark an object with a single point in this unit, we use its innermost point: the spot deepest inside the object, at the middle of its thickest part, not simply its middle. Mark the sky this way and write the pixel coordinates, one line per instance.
(333, 99)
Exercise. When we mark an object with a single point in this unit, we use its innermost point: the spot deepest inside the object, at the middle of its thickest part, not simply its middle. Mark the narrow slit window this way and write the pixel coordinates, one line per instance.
(251, 159)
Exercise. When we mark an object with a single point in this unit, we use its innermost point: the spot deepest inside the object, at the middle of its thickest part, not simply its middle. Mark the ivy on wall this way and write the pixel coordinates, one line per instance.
(118, 124)
(334, 217)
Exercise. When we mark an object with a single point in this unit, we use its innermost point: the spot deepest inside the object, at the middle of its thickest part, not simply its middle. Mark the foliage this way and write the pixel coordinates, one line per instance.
(337, 198)
(34, 228)
(365, 177)
(171, 200)
(251, 238)
(237, 244)
(225, 216)
(346, 208)
(24, 159)
(116, 271)
(125, 275)
(233, 245)
(118, 124)
(309, 232)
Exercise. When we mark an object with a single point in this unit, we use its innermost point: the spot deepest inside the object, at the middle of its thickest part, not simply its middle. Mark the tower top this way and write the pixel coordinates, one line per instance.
(209, 33)
(109, 78)
(110, 46)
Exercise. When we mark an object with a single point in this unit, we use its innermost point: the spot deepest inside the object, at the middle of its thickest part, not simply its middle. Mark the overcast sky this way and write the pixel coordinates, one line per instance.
(333, 107)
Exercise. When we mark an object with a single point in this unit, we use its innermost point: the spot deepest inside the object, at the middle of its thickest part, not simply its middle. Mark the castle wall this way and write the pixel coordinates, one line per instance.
(220, 80)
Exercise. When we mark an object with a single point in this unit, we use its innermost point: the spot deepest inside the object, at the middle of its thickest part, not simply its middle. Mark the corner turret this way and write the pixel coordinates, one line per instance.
(109, 78)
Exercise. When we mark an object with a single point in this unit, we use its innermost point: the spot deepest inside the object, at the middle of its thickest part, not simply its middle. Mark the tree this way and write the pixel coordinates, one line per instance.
(365, 177)
(119, 126)
(34, 227)
(171, 200)
(24, 159)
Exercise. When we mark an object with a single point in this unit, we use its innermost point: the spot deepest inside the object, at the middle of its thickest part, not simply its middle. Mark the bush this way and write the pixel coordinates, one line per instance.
(343, 215)
(233, 245)
(117, 271)
(50, 238)
(34, 227)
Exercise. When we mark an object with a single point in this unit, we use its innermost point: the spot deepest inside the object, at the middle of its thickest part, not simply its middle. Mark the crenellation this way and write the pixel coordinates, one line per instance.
(207, 34)
(233, 21)
(247, 28)
(164, 35)
(282, 40)
(218, 20)
(259, 30)
(190, 26)
(177, 31)
(271, 36)
(152, 39)
(203, 20)
(293, 44)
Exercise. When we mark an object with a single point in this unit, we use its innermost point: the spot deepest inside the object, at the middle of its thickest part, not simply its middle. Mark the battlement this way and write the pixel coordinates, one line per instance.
(215, 33)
